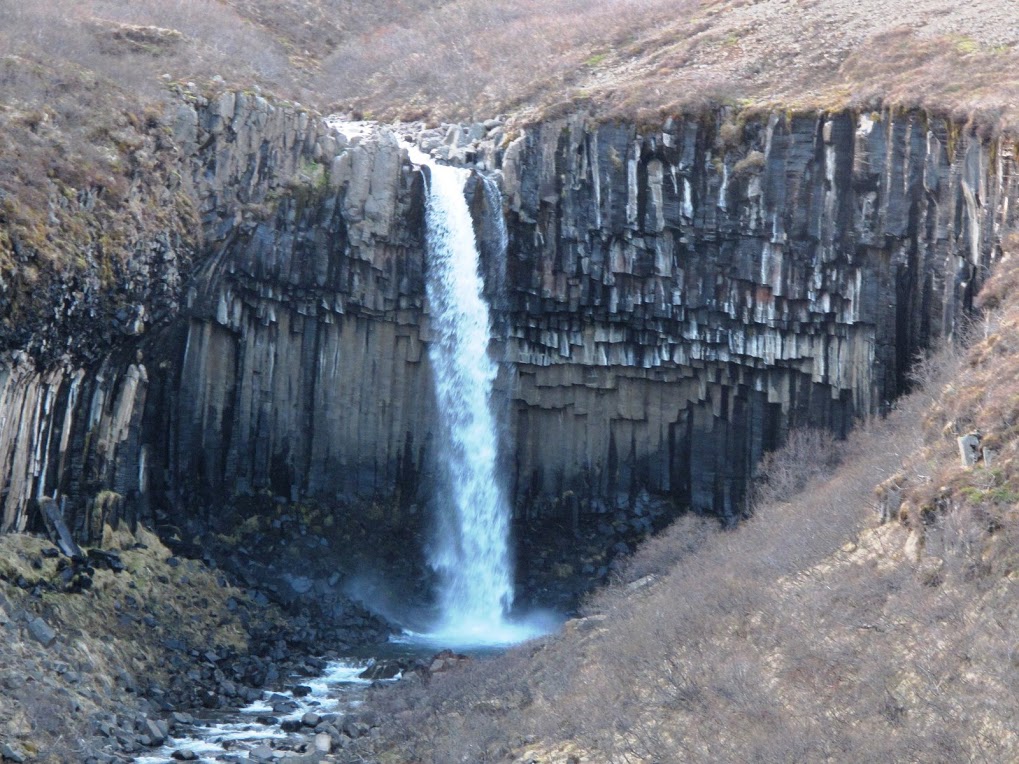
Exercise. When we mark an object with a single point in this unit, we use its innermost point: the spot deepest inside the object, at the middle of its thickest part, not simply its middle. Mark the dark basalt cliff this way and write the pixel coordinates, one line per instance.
(679, 298)
(672, 301)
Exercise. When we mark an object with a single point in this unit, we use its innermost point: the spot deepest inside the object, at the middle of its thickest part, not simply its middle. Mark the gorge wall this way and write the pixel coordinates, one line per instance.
(672, 301)
(680, 297)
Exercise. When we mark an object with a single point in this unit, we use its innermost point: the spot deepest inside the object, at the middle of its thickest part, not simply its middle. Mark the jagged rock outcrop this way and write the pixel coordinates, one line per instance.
(672, 301)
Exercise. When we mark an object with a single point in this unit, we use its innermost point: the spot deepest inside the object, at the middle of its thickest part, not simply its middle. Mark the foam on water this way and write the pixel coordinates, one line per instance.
(482, 636)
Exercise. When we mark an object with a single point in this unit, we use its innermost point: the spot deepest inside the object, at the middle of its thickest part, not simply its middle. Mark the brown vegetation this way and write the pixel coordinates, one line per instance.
(973, 393)
(648, 58)
(444, 59)
(811, 632)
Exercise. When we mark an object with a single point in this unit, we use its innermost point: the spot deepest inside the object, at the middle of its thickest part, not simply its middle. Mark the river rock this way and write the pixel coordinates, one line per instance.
(261, 753)
(382, 669)
(355, 729)
(157, 730)
(323, 742)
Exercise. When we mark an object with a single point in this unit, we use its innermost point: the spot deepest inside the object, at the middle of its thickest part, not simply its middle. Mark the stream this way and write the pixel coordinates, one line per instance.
(245, 734)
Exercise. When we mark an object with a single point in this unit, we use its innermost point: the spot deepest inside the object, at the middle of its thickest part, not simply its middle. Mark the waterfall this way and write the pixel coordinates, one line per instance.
(494, 198)
(472, 554)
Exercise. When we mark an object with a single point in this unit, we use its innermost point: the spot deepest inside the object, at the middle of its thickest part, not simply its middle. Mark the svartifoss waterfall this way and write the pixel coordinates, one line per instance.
(472, 554)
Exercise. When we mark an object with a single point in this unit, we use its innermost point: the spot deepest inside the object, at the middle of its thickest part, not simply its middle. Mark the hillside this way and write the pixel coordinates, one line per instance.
(812, 632)
(465, 59)
(651, 58)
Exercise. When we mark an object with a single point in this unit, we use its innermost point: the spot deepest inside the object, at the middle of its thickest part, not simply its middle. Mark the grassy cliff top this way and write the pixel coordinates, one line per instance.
(462, 59)
(643, 58)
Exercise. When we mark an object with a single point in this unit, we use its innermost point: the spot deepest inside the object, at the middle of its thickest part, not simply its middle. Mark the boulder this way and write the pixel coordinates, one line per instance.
(384, 669)
(323, 742)
(58, 529)
(355, 729)
(969, 449)
(9, 753)
(41, 632)
(155, 731)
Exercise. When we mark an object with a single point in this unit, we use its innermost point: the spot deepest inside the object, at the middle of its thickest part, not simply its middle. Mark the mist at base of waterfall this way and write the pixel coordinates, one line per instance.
(427, 627)
(481, 635)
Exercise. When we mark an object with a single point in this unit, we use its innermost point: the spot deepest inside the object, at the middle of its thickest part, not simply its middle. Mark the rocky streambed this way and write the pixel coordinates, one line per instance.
(315, 720)
(230, 648)
(115, 661)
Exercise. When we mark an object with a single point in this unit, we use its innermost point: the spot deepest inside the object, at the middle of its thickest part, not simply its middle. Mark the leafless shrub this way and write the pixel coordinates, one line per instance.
(806, 456)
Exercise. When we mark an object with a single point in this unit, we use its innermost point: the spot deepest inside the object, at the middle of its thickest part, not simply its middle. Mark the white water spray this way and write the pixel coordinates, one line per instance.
(472, 555)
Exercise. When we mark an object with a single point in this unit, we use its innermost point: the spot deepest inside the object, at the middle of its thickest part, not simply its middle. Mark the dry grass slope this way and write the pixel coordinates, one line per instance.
(445, 59)
(645, 59)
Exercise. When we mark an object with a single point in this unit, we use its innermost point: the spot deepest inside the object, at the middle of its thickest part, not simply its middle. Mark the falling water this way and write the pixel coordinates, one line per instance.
(472, 554)
(494, 199)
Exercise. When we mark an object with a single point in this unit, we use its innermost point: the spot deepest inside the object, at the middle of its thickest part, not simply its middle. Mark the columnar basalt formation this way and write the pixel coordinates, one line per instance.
(304, 371)
(681, 297)
(672, 301)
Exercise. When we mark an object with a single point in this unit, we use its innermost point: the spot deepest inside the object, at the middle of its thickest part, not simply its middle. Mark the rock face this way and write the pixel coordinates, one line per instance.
(304, 369)
(672, 301)
(680, 298)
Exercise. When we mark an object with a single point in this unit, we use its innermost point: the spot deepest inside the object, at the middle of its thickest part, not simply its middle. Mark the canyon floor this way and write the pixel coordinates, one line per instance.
(108, 655)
